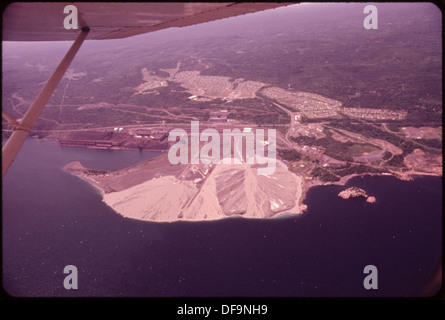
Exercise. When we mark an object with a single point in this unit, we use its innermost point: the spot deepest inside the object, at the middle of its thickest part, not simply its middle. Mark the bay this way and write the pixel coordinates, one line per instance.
(52, 219)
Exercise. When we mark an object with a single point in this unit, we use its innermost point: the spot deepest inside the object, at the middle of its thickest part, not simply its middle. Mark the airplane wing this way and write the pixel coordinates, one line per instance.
(43, 21)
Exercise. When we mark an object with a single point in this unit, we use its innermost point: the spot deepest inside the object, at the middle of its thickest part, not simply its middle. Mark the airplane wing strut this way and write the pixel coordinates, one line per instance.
(40, 21)
(20, 133)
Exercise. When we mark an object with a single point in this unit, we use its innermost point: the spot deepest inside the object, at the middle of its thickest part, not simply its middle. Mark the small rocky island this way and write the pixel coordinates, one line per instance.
(355, 192)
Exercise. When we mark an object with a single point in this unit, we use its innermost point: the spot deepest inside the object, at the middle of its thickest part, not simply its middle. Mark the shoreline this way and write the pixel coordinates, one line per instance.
(407, 176)
(211, 214)
(157, 167)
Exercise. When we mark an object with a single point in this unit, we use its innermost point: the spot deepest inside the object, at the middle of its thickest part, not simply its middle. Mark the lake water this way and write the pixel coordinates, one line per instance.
(52, 219)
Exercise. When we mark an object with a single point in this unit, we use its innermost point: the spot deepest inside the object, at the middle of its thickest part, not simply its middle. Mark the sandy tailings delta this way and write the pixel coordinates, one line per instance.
(155, 190)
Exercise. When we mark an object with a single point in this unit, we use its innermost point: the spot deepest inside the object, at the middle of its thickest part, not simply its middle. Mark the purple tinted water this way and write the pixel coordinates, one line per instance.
(52, 219)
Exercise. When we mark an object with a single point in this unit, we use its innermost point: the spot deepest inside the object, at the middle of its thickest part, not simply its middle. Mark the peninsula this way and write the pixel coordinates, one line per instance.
(155, 190)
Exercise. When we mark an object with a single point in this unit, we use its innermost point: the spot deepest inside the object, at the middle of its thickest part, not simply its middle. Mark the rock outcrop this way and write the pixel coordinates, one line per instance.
(355, 192)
